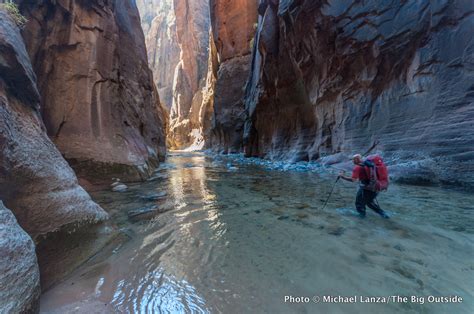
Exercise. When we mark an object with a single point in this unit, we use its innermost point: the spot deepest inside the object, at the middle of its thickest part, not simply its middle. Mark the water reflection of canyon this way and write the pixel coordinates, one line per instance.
(243, 238)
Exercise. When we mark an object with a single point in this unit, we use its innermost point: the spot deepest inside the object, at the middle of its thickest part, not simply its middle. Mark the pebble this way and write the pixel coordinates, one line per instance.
(301, 166)
(119, 187)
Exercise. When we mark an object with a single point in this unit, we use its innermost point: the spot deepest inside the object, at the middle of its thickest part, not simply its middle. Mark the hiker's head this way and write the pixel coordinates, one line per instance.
(357, 159)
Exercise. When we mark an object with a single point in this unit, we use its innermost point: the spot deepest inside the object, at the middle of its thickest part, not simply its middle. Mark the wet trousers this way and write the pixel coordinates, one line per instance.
(367, 198)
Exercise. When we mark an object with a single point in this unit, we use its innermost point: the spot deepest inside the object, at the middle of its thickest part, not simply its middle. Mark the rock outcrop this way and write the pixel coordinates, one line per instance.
(233, 27)
(336, 77)
(19, 273)
(177, 35)
(192, 29)
(98, 100)
(36, 183)
(159, 25)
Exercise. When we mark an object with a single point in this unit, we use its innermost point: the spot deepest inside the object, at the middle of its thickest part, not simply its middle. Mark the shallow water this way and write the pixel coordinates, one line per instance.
(240, 238)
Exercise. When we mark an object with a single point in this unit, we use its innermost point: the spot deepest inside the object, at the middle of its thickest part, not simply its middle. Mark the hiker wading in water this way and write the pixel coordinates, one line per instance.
(367, 194)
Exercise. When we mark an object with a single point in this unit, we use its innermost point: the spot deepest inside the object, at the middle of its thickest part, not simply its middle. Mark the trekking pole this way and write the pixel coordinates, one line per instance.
(330, 193)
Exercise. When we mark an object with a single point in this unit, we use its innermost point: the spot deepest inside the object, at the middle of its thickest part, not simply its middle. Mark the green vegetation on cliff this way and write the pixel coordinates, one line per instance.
(14, 12)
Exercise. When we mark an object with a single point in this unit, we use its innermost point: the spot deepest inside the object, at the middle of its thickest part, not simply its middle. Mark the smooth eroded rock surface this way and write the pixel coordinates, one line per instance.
(19, 273)
(233, 26)
(159, 25)
(99, 103)
(177, 37)
(340, 77)
(36, 183)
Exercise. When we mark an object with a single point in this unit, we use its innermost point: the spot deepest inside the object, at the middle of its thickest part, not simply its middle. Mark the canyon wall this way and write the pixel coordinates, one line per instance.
(233, 27)
(159, 25)
(98, 100)
(36, 183)
(177, 37)
(332, 78)
(192, 30)
(19, 273)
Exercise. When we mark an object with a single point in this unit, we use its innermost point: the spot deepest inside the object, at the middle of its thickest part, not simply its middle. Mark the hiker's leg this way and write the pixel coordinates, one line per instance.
(360, 202)
(370, 197)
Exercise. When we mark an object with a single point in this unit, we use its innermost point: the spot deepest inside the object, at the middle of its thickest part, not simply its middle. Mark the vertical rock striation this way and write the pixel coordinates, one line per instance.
(233, 26)
(178, 51)
(192, 30)
(99, 103)
(36, 183)
(159, 25)
(333, 77)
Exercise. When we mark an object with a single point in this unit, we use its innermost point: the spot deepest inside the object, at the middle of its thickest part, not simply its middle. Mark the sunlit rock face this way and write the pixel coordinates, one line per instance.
(334, 77)
(159, 25)
(233, 26)
(98, 100)
(192, 29)
(177, 37)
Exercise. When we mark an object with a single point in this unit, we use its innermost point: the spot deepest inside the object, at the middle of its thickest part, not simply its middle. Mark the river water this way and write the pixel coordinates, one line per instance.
(240, 239)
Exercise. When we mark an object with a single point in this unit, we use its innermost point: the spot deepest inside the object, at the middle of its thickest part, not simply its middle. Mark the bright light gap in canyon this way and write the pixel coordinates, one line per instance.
(245, 156)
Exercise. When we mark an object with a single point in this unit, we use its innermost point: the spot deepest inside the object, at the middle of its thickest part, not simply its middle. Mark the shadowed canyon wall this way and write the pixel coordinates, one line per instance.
(337, 77)
(177, 36)
(98, 100)
(233, 27)
(78, 73)
(36, 183)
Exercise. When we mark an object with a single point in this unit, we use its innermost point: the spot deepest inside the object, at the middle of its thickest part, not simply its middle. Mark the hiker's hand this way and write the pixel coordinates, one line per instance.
(341, 174)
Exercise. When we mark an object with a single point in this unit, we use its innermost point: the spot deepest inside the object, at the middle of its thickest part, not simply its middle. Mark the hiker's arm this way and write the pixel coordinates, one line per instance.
(344, 177)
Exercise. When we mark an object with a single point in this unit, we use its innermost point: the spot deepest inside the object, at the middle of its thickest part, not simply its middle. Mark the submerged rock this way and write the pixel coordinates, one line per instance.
(148, 212)
(61, 252)
(119, 187)
(155, 196)
(19, 272)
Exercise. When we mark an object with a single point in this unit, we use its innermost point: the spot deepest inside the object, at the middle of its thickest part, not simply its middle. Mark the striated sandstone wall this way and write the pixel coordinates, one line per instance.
(159, 25)
(19, 273)
(233, 27)
(334, 78)
(36, 183)
(98, 100)
(177, 35)
(192, 30)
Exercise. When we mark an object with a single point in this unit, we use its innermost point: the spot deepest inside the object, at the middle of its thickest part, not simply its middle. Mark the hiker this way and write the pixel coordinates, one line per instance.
(368, 189)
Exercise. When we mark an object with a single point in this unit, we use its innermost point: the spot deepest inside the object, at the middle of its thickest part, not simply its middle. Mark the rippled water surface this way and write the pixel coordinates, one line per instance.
(240, 238)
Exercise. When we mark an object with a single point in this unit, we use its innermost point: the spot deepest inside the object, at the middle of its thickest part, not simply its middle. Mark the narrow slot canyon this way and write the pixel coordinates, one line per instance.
(217, 156)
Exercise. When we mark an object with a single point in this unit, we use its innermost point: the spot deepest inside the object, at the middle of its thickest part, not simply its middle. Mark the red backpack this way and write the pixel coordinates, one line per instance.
(378, 173)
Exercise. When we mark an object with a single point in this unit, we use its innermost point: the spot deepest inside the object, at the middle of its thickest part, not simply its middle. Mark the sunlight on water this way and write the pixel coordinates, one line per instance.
(239, 241)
